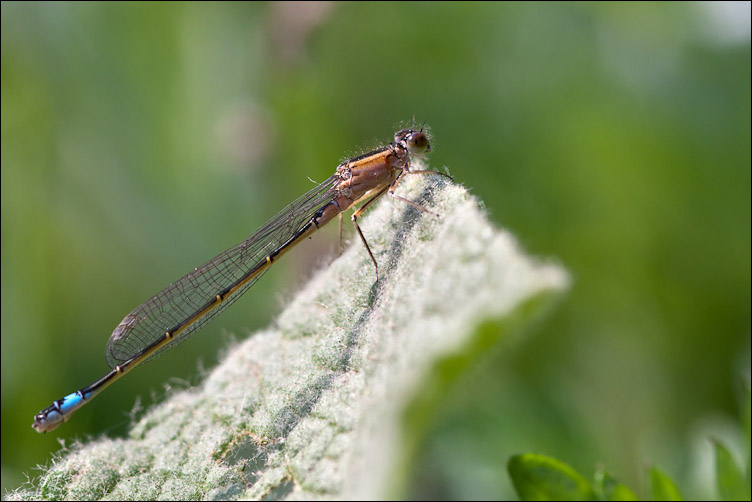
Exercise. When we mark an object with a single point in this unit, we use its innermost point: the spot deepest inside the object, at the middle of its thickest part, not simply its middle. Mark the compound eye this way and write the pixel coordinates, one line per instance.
(417, 142)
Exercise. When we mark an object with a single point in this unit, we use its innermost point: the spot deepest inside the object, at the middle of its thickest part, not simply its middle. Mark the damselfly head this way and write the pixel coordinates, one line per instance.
(416, 142)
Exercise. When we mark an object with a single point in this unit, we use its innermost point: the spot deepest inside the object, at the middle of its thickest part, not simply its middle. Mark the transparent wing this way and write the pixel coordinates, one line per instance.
(169, 308)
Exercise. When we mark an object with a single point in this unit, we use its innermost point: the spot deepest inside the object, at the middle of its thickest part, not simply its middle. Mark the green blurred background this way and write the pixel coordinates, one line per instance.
(138, 140)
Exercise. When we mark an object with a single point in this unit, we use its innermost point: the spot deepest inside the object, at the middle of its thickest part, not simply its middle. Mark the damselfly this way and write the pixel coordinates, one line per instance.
(186, 305)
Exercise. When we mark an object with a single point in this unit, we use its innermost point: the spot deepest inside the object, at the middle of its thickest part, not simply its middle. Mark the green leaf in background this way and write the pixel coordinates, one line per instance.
(746, 412)
(539, 477)
(730, 480)
(315, 406)
(606, 487)
(663, 487)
